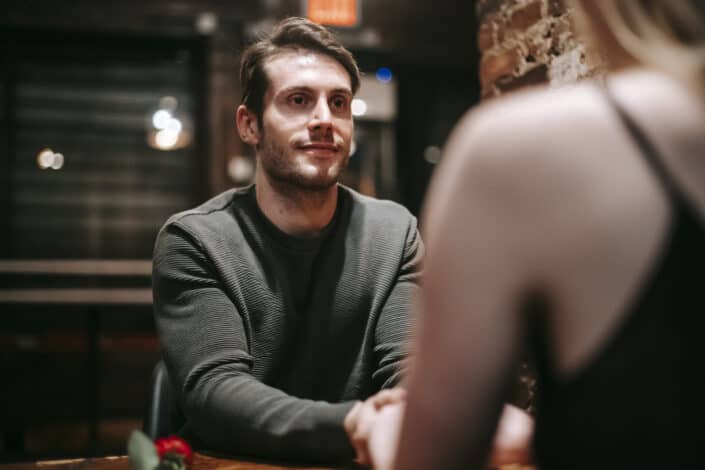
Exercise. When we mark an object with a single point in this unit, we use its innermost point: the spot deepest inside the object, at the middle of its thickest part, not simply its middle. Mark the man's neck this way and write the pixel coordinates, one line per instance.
(296, 211)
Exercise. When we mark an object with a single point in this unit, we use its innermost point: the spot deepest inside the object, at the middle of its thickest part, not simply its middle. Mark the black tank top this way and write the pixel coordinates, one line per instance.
(640, 403)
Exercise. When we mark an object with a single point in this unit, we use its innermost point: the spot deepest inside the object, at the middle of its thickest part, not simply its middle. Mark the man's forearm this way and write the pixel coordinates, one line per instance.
(241, 415)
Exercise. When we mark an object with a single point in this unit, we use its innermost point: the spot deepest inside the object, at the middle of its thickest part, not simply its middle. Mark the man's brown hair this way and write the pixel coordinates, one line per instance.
(290, 34)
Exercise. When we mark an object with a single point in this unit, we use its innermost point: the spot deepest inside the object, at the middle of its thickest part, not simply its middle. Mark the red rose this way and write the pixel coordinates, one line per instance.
(174, 445)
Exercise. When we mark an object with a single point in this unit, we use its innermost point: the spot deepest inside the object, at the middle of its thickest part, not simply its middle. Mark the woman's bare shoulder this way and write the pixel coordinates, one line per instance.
(519, 152)
(558, 156)
(532, 144)
(575, 127)
(531, 121)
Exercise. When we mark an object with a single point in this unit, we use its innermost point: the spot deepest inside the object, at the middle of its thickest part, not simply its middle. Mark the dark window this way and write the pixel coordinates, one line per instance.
(91, 100)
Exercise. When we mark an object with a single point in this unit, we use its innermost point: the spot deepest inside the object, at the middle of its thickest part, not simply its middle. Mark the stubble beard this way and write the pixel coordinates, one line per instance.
(283, 169)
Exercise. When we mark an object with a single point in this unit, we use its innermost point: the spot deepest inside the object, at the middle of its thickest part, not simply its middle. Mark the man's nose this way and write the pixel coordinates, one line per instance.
(322, 116)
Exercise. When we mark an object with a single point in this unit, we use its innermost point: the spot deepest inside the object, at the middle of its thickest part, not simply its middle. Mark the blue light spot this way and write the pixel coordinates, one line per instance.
(384, 75)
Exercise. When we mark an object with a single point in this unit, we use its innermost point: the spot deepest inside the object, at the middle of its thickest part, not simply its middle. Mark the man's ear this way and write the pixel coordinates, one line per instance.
(247, 125)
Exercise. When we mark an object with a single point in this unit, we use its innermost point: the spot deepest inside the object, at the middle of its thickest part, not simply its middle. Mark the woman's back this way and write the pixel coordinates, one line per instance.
(616, 214)
(626, 387)
(548, 196)
(572, 221)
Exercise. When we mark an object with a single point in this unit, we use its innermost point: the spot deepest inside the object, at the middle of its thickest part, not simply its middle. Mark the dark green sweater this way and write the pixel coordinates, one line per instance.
(270, 338)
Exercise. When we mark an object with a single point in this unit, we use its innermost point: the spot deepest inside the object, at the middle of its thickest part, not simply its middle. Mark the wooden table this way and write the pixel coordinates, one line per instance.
(201, 462)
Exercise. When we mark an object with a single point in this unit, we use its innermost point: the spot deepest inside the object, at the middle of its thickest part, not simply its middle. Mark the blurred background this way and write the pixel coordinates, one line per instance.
(115, 115)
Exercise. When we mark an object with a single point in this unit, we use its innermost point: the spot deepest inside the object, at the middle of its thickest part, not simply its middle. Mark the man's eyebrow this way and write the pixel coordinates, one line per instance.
(292, 89)
(307, 89)
(345, 91)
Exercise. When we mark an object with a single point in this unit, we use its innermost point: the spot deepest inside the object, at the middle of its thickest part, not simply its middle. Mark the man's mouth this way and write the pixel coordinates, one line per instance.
(320, 148)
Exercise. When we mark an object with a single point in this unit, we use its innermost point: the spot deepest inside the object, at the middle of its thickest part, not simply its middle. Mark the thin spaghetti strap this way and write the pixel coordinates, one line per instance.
(652, 156)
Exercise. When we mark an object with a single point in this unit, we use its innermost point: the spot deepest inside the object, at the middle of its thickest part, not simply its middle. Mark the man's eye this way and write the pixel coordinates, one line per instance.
(339, 103)
(298, 100)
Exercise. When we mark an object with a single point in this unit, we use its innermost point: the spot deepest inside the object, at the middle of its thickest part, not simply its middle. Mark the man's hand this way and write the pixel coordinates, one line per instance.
(361, 420)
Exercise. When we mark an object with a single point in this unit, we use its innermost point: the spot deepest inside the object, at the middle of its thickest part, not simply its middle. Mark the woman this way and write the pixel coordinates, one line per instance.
(571, 222)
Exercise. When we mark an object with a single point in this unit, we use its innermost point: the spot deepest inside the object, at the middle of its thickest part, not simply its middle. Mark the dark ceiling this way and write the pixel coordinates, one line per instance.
(429, 32)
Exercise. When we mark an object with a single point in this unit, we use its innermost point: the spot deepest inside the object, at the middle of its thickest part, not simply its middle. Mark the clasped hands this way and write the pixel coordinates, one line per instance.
(374, 425)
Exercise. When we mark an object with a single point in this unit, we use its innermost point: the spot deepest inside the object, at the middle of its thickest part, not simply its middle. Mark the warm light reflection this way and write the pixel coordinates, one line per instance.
(207, 22)
(166, 138)
(333, 12)
(48, 159)
(358, 107)
(45, 158)
(241, 169)
(168, 129)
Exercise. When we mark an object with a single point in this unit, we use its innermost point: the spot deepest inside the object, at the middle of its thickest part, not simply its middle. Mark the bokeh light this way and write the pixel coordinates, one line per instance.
(384, 75)
(358, 107)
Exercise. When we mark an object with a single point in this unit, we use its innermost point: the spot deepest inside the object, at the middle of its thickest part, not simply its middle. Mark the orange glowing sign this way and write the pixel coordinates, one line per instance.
(333, 12)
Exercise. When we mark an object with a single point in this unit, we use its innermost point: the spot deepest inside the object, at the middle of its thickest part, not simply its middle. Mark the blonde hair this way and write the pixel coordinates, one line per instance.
(667, 34)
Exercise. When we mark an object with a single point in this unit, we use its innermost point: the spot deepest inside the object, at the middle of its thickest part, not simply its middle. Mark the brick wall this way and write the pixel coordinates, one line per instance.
(529, 42)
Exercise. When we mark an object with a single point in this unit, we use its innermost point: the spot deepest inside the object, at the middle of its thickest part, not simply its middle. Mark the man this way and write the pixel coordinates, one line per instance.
(280, 305)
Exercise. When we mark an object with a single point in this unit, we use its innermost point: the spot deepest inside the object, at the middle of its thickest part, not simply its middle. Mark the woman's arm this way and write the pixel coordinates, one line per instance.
(480, 231)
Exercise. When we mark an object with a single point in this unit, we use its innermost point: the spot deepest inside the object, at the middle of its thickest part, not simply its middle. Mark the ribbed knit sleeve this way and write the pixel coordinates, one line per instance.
(394, 323)
(205, 346)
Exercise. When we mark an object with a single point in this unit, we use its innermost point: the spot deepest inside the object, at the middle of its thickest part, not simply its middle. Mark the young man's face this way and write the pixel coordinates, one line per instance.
(306, 120)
